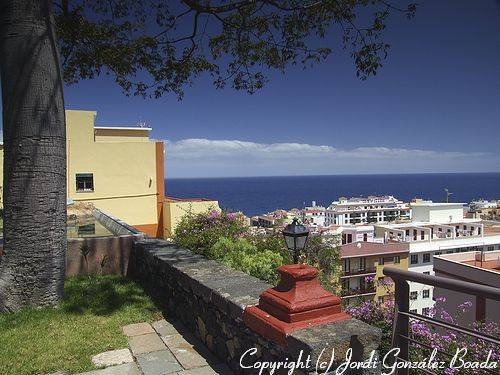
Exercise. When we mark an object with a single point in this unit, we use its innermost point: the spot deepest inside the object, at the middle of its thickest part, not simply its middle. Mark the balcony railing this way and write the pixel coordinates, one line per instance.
(360, 271)
(401, 331)
(358, 291)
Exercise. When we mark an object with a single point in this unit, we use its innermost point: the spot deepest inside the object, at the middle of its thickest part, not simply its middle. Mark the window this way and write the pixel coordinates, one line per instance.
(414, 259)
(362, 263)
(397, 259)
(381, 261)
(347, 265)
(427, 258)
(365, 237)
(84, 182)
(413, 296)
(490, 248)
(427, 273)
(425, 311)
(426, 293)
(438, 253)
(413, 311)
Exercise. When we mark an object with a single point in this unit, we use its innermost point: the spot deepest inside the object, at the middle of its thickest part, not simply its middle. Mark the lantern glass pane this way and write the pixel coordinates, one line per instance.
(301, 242)
(290, 243)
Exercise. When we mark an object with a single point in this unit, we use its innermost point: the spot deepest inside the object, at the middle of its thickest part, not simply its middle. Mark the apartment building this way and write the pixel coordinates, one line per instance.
(444, 231)
(372, 209)
(120, 170)
(314, 216)
(362, 264)
(476, 267)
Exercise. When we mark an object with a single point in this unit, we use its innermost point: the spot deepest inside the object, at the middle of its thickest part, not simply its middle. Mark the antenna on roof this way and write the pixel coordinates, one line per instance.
(448, 195)
(142, 124)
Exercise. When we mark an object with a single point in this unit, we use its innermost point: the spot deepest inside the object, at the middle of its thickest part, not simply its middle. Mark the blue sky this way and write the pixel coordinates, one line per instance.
(433, 107)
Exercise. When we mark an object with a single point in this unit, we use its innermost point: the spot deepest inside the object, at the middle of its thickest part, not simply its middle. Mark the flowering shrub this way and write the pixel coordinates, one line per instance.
(382, 316)
(224, 237)
(199, 232)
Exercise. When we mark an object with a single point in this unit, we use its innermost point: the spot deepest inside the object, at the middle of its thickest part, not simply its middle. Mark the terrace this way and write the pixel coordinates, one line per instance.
(205, 301)
(427, 232)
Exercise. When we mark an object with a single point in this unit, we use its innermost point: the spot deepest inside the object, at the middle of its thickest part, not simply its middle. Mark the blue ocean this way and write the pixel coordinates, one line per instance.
(258, 195)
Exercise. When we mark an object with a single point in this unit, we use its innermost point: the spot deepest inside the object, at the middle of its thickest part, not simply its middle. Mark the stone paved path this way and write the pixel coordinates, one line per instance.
(158, 349)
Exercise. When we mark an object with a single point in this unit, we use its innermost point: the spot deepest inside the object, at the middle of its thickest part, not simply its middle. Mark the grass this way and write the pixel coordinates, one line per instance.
(87, 322)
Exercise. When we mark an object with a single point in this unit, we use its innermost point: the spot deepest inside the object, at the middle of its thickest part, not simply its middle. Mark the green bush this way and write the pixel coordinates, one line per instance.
(225, 238)
(243, 255)
(199, 232)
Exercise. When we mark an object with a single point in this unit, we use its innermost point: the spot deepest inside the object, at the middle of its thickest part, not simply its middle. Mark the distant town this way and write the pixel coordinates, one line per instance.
(447, 239)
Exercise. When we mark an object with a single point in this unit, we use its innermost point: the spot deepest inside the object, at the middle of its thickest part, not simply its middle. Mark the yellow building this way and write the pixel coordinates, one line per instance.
(364, 261)
(174, 209)
(121, 171)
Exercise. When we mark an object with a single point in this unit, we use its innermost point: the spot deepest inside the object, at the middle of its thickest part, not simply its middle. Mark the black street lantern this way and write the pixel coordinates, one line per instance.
(295, 237)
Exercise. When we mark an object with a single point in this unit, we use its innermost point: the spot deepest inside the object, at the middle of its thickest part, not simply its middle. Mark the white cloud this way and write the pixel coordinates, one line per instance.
(204, 158)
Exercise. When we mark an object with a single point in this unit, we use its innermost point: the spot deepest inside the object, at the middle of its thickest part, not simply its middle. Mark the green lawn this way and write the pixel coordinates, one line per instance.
(88, 322)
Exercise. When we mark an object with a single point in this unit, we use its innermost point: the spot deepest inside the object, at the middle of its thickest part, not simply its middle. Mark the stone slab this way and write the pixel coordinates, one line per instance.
(175, 341)
(147, 343)
(112, 357)
(137, 329)
(189, 358)
(125, 369)
(190, 354)
(158, 363)
(208, 370)
(164, 328)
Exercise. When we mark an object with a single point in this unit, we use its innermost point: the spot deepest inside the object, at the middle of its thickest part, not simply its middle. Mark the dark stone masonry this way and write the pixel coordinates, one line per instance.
(210, 299)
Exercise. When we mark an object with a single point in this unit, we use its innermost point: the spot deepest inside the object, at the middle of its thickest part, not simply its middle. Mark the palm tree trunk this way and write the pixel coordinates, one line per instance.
(33, 263)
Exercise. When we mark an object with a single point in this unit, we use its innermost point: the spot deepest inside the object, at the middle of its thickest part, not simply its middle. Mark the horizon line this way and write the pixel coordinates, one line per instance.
(332, 175)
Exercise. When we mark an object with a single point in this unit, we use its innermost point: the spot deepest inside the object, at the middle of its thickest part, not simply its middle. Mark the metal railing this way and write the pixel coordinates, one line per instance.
(401, 330)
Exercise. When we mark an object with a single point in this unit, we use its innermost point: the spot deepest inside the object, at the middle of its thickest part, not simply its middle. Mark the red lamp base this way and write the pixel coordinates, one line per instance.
(297, 302)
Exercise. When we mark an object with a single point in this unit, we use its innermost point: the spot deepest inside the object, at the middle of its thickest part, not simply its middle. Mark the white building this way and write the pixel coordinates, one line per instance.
(444, 230)
(371, 209)
(314, 215)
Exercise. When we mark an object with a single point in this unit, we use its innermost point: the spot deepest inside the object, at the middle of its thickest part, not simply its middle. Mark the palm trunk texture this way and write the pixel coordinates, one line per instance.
(33, 262)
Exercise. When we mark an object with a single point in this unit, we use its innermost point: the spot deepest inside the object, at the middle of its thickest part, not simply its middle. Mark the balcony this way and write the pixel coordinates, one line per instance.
(359, 272)
(354, 292)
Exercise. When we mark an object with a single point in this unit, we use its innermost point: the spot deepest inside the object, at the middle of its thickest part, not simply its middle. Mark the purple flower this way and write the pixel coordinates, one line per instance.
(465, 306)
(213, 215)
(231, 216)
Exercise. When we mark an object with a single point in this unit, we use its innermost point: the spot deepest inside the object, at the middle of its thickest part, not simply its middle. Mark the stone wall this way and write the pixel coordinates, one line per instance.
(210, 299)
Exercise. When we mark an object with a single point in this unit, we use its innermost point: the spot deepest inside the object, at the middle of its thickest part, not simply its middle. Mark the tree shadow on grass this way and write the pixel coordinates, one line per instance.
(102, 295)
